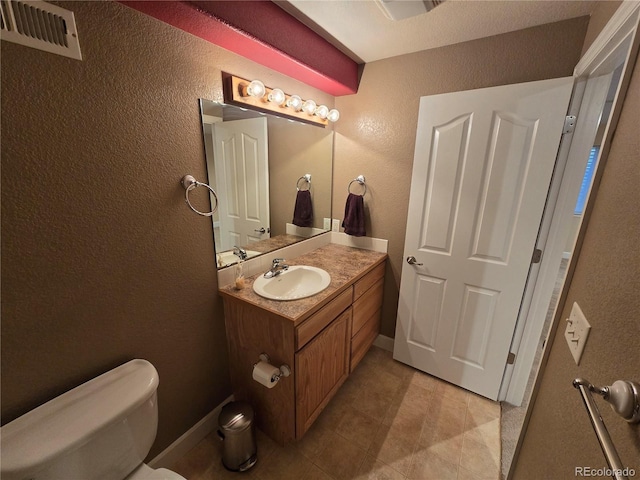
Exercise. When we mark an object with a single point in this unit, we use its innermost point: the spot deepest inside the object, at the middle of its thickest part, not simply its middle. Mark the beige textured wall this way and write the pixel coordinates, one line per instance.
(102, 261)
(605, 284)
(376, 134)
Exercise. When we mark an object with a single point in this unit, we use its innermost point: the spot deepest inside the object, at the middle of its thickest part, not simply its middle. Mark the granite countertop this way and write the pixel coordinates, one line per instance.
(273, 243)
(344, 264)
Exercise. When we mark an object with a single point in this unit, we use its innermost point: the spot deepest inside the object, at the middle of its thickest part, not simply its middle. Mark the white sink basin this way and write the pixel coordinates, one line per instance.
(299, 281)
(228, 258)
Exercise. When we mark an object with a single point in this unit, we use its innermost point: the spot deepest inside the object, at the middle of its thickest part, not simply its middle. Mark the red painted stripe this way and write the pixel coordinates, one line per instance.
(307, 58)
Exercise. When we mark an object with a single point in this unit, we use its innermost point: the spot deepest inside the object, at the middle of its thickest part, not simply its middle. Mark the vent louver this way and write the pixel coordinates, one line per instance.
(40, 25)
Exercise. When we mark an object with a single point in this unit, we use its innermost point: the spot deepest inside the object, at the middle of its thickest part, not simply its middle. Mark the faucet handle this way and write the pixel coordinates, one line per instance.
(277, 261)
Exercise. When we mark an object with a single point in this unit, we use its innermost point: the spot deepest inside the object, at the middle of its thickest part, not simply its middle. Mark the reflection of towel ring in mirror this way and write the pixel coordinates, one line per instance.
(306, 178)
(189, 183)
(359, 179)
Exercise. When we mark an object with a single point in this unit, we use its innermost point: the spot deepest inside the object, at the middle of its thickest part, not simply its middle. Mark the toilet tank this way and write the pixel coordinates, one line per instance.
(102, 429)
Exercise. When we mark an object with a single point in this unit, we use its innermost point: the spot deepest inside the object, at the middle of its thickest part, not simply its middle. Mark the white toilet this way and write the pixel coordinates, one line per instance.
(102, 429)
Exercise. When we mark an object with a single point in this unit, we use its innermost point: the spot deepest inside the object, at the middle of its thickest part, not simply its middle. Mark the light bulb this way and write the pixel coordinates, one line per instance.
(322, 111)
(277, 96)
(309, 107)
(256, 89)
(294, 102)
(333, 115)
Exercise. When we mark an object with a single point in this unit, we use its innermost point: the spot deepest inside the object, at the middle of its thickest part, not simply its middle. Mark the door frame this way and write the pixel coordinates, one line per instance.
(608, 49)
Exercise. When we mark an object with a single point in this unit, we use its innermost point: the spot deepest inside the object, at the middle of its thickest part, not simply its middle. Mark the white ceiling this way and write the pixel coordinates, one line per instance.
(361, 29)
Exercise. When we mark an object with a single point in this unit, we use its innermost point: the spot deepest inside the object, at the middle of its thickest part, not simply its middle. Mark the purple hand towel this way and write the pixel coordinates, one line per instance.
(353, 222)
(303, 210)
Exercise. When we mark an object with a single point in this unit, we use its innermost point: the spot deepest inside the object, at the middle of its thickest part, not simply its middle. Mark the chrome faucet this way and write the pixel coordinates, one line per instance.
(277, 267)
(241, 253)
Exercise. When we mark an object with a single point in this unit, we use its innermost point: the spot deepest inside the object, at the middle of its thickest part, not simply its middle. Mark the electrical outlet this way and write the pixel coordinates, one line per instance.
(335, 227)
(577, 332)
(327, 224)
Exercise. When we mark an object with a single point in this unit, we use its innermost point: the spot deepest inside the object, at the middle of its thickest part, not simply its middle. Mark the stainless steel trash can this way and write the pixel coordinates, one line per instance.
(238, 433)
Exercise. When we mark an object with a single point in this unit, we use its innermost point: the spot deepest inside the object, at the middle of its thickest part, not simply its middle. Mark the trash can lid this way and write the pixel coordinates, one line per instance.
(235, 416)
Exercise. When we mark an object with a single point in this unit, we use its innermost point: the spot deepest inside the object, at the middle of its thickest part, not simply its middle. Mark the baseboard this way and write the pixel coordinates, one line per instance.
(189, 439)
(385, 343)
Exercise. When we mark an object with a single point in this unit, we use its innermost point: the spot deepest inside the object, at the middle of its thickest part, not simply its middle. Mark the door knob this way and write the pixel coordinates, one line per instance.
(260, 230)
(412, 261)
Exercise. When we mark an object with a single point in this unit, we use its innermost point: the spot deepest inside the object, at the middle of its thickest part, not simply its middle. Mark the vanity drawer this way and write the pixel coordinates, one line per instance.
(363, 340)
(367, 305)
(366, 282)
(314, 324)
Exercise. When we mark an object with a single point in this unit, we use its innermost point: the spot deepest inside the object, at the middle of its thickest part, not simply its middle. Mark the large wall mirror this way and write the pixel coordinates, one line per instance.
(257, 164)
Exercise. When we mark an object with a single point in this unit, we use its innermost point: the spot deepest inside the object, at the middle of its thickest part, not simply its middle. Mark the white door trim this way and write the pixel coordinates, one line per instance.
(602, 54)
(620, 25)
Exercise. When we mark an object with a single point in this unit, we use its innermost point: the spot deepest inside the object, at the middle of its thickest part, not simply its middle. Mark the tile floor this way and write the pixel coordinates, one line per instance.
(388, 421)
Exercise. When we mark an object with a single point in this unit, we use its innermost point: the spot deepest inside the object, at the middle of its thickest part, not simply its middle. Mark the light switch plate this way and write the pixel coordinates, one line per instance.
(577, 332)
(327, 224)
(335, 225)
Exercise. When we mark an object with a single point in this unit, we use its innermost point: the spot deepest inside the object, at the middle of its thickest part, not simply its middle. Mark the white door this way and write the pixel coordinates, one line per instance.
(481, 171)
(241, 165)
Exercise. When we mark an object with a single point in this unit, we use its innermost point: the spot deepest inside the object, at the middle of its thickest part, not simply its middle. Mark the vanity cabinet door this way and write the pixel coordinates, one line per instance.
(322, 366)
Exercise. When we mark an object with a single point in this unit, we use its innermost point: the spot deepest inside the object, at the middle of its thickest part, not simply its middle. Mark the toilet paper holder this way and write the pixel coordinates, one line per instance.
(285, 371)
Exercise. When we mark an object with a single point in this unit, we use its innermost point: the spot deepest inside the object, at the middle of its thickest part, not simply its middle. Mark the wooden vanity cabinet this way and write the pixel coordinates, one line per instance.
(321, 350)
(251, 331)
(322, 366)
(367, 310)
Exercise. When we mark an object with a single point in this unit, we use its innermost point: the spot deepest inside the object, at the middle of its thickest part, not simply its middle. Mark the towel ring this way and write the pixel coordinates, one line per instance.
(306, 178)
(359, 179)
(189, 183)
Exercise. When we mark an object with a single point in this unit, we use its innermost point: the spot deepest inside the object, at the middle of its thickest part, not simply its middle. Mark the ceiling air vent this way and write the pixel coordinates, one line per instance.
(40, 25)
(401, 9)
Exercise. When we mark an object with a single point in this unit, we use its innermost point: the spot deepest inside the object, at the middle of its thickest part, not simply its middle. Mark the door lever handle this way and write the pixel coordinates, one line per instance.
(260, 230)
(412, 261)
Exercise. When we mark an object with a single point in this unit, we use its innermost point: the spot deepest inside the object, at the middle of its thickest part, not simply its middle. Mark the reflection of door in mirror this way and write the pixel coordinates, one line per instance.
(242, 174)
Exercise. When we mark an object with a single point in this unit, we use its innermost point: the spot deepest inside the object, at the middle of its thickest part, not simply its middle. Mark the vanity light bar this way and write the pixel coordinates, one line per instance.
(254, 94)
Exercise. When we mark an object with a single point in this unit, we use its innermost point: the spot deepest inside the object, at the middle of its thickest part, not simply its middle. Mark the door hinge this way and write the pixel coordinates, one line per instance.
(569, 124)
(511, 358)
(537, 256)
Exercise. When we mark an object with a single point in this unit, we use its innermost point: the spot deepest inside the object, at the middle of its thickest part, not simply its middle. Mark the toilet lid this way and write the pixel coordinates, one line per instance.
(164, 474)
(144, 472)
